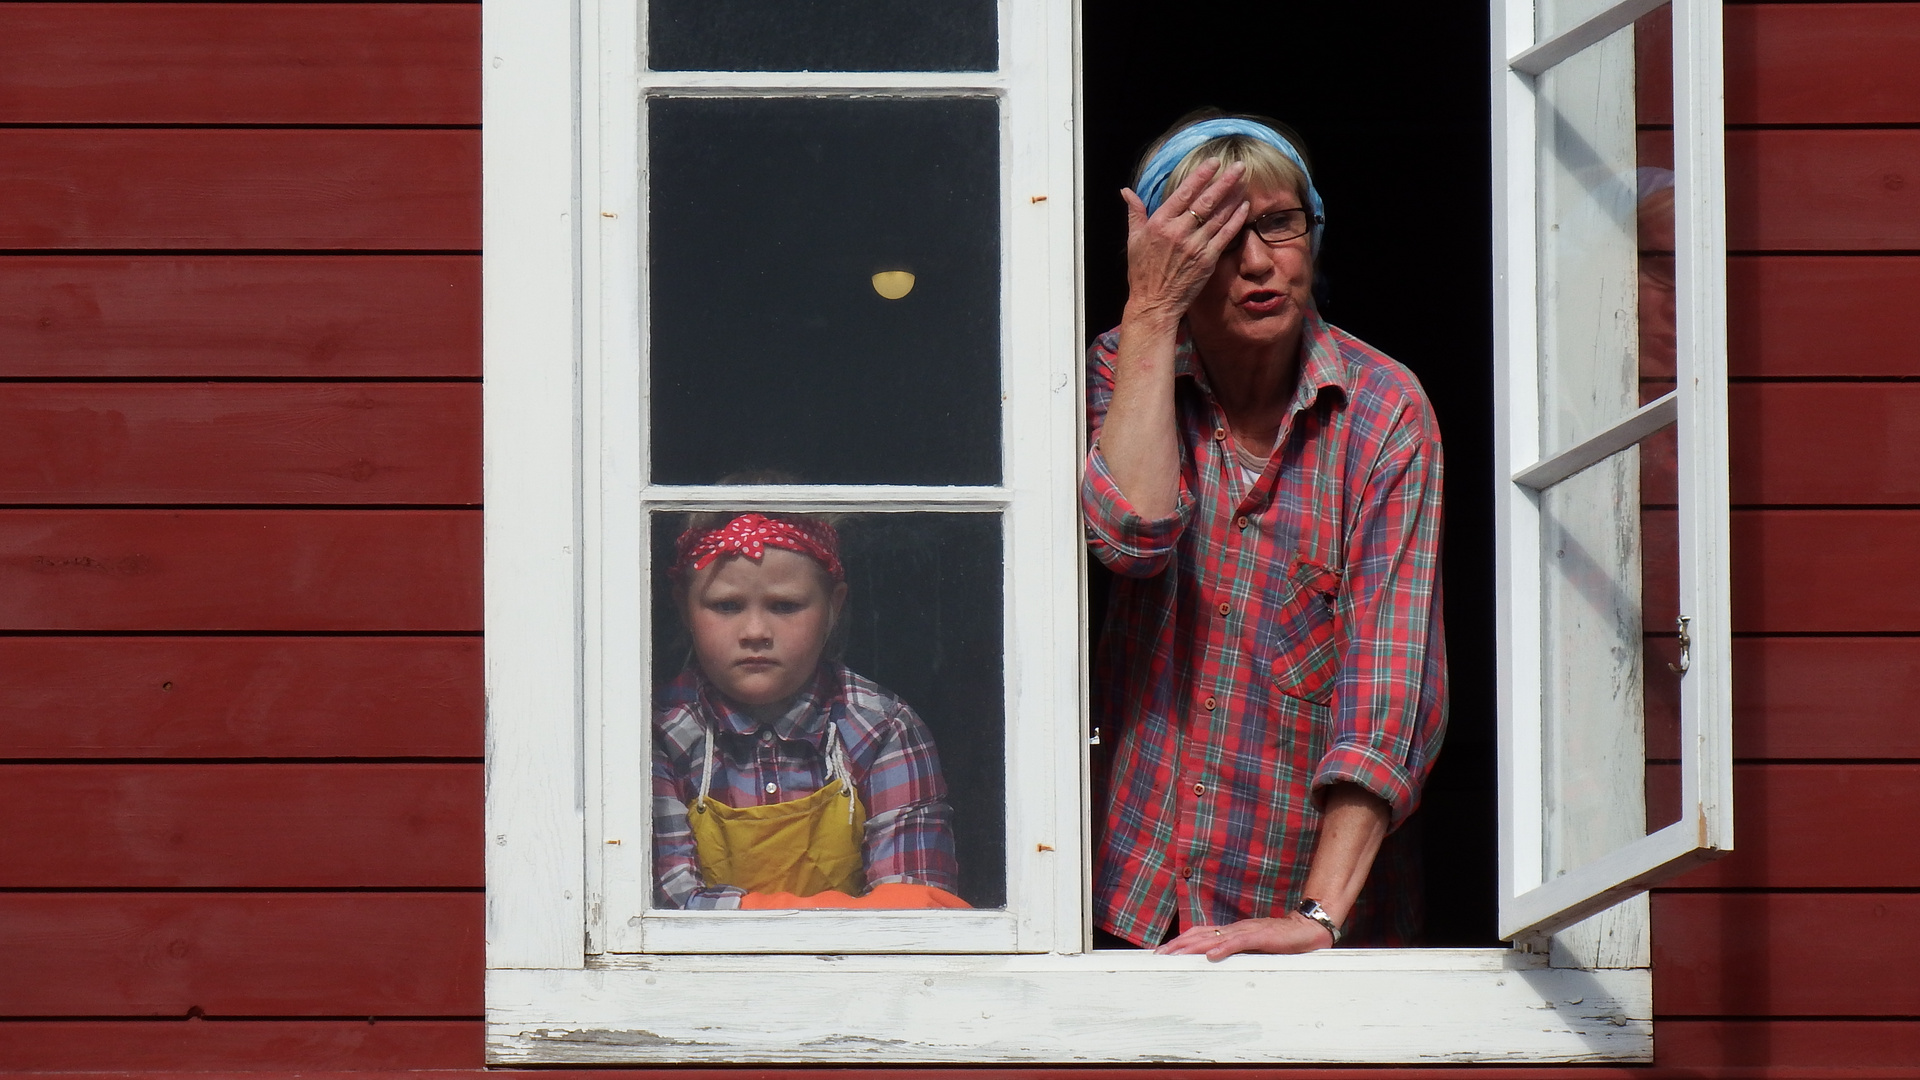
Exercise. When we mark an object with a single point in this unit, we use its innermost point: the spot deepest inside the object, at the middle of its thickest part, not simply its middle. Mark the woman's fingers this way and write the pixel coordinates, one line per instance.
(1180, 199)
(1226, 227)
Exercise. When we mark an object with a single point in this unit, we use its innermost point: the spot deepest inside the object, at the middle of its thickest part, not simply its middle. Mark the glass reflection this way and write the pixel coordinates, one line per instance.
(790, 769)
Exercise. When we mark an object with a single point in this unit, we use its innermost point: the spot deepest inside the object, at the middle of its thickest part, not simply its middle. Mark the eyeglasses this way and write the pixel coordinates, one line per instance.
(1283, 225)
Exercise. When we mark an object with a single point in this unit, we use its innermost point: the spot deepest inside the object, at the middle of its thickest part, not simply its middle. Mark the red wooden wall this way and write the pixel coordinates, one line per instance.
(240, 720)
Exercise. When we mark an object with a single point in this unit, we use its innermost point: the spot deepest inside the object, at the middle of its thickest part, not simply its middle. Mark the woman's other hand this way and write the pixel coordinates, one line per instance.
(1292, 934)
(1172, 253)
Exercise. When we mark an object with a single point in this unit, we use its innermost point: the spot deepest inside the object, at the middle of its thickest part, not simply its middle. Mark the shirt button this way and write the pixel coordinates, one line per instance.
(1225, 608)
(1186, 872)
(1241, 522)
(1210, 703)
(1219, 434)
(1199, 789)
(772, 788)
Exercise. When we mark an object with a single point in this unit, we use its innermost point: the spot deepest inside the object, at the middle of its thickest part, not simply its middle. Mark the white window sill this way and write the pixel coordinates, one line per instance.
(1384, 1006)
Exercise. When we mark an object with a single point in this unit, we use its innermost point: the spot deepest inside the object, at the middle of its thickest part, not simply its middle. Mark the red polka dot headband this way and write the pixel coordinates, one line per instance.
(750, 535)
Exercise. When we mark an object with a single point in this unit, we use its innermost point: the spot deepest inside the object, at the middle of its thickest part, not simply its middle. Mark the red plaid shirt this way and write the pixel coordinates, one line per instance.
(1265, 640)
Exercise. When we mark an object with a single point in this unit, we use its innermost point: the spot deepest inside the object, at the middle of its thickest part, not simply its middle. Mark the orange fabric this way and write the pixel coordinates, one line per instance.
(893, 894)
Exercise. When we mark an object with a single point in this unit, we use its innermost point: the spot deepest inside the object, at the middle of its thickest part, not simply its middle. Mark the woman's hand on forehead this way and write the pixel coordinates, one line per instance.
(1172, 252)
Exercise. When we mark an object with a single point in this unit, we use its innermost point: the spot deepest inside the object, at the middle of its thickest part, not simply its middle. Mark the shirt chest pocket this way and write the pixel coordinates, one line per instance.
(1303, 634)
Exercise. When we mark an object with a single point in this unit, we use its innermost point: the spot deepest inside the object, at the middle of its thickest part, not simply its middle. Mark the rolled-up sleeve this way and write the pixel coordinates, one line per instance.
(1127, 543)
(1390, 695)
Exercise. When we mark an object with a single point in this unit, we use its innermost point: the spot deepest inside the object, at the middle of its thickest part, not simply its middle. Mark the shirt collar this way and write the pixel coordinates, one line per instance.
(1321, 366)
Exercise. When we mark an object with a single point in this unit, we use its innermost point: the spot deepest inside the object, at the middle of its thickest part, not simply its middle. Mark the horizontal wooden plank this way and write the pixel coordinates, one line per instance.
(1786, 1044)
(1823, 315)
(241, 826)
(1811, 63)
(1799, 827)
(240, 443)
(213, 697)
(1823, 190)
(1802, 571)
(220, 189)
(1812, 444)
(307, 316)
(1778, 954)
(1808, 698)
(201, 1046)
(241, 954)
(65, 63)
(355, 570)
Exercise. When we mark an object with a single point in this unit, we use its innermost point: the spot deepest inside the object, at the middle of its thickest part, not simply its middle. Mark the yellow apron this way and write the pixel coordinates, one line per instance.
(803, 846)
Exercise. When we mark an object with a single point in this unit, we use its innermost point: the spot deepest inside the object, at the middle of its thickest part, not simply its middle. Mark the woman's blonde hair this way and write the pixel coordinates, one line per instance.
(1267, 166)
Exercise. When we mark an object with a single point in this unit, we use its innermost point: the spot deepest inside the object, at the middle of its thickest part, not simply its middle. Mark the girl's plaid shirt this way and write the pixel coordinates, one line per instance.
(909, 831)
(1265, 640)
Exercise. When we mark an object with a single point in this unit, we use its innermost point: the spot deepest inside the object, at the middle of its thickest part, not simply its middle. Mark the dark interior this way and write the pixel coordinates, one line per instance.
(1392, 103)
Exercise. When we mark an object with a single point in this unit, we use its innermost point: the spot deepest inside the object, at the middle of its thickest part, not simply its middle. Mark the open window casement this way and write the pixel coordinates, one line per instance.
(1616, 761)
(625, 234)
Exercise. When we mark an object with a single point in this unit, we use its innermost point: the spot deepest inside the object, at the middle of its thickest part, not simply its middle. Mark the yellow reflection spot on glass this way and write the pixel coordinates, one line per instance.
(893, 284)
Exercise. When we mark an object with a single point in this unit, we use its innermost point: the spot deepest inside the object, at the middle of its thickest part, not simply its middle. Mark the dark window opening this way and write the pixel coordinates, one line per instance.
(1394, 114)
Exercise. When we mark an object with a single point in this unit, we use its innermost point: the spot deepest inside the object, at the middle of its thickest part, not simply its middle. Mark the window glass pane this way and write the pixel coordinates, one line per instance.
(825, 283)
(1605, 191)
(823, 35)
(1610, 583)
(918, 634)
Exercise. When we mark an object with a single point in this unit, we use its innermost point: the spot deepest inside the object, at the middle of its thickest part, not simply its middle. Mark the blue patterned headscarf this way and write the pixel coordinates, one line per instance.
(1152, 186)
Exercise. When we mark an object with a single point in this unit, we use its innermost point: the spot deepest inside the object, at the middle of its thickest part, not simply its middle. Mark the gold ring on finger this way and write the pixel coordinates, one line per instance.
(1198, 220)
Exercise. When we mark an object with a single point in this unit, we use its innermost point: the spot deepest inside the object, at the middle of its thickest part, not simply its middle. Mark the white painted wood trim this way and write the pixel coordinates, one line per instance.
(1700, 233)
(798, 498)
(535, 862)
(811, 83)
(837, 932)
(1655, 416)
(1598, 27)
(1108, 1007)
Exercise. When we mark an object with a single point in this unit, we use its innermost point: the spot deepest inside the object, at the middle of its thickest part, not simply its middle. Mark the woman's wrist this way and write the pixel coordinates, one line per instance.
(1147, 318)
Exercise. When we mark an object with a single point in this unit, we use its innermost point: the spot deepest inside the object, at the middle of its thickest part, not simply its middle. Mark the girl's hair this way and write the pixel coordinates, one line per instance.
(1266, 166)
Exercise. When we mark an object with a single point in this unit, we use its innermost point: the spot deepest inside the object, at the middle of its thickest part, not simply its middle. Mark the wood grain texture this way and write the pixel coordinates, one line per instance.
(1774, 954)
(1809, 698)
(1815, 444)
(199, 1046)
(1800, 827)
(240, 826)
(1823, 315)
(240, 570)
(241, 954)
(1811, 63)
(1815, 190)
(1803, 571)
(224, 189)
(66, 63)
(168, 316)
(240, 443)
(213, 697)
(1073, 1072)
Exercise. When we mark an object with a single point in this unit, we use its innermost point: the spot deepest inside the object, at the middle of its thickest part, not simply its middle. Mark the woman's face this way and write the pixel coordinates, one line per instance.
(1260, 292)
(759, 627)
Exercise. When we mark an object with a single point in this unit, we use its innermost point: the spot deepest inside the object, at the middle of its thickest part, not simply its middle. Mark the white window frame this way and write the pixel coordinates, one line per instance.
(566, 982)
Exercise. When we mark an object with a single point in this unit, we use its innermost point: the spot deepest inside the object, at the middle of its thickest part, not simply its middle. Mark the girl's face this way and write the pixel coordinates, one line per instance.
(759, 627)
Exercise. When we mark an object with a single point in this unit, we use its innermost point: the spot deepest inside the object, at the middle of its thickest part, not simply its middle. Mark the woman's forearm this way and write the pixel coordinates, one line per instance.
(1352, 827)
(1140, 439)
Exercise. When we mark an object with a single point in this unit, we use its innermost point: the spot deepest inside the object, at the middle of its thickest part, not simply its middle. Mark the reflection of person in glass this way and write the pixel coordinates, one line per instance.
(780, 778)
(1266, 488)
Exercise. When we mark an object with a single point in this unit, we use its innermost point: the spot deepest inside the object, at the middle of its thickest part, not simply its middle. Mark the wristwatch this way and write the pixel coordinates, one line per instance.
(1311, 909)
